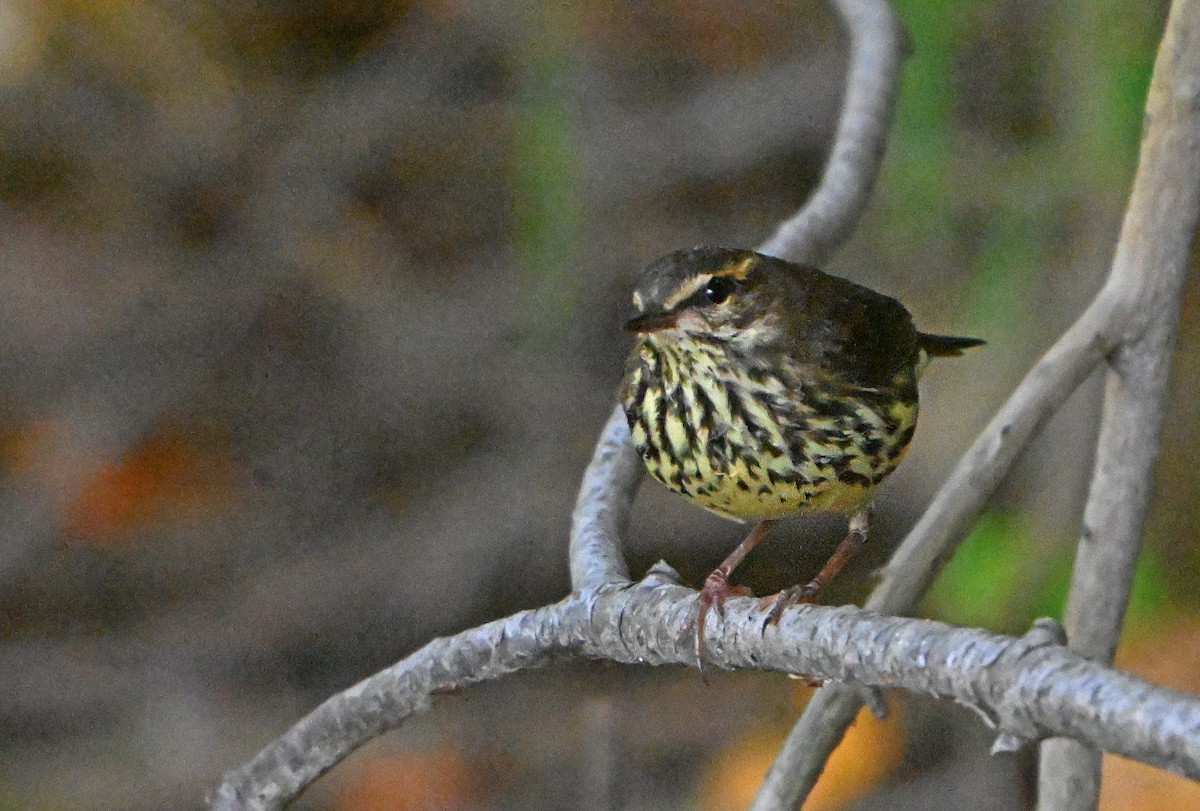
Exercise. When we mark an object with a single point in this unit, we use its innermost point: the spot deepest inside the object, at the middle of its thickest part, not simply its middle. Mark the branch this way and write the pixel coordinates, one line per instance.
(1025, 687)
(1145, 280)
(602, 509)
(878, 45)
(1156, 241)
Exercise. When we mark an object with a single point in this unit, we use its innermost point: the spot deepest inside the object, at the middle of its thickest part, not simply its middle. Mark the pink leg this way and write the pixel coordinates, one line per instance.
(716, 586)
(856, 536)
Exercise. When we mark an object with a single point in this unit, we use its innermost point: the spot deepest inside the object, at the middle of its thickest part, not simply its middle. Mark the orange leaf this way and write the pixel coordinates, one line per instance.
(166, 475)
(1169, 655)
(868, 754)
(408, 780)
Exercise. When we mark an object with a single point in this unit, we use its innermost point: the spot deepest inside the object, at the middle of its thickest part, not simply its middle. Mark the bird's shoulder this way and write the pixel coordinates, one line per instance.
(845, 328)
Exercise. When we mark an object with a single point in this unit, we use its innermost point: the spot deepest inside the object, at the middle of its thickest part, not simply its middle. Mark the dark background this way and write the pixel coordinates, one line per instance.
(310, 314)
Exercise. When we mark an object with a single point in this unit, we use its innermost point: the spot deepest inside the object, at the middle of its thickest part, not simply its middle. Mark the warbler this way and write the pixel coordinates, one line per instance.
(759, 389)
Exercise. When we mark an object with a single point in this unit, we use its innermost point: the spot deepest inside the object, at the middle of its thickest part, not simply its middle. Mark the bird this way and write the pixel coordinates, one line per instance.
(760, 389)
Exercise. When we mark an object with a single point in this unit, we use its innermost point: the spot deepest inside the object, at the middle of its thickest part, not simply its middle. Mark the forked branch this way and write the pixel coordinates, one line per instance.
(1131, 320)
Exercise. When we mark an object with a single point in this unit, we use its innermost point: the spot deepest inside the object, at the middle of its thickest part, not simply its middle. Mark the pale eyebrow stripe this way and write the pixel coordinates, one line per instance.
(738, 271)
(686, 289)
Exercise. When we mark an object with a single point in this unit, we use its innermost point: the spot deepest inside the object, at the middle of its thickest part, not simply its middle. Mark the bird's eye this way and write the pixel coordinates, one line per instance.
(719, 288)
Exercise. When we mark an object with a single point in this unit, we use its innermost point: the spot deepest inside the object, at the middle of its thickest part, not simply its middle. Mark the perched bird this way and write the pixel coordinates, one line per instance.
(759, 389)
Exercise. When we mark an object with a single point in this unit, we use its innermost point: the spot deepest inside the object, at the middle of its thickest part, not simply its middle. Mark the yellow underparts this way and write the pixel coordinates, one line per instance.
(751, 448)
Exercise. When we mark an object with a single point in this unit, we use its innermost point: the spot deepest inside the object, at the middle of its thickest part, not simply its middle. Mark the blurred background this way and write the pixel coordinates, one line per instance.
(310, 314)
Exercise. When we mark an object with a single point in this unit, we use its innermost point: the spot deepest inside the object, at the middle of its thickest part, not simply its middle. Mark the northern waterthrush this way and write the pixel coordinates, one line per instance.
(760, 389)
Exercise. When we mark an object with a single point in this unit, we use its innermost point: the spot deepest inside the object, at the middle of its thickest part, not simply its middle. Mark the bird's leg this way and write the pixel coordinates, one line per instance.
(856, 536)
(716, 586)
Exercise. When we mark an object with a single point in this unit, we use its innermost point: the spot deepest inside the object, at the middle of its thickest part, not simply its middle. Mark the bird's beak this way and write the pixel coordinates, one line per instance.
(652, 322)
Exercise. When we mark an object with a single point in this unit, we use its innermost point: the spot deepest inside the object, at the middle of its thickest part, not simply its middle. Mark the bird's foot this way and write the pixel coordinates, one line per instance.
(713, 594)
(796, 595)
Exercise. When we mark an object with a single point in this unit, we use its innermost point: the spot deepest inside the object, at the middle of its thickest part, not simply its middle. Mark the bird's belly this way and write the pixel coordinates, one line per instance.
(749, 456)
(749, 490)
(745, 497)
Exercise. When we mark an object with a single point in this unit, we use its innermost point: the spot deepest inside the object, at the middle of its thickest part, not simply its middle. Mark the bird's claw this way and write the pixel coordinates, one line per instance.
(713, 594)
(796, 595)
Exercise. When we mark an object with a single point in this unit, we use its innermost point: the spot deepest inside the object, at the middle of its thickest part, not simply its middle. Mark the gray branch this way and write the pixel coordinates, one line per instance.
(602, 509)
(1027, 687)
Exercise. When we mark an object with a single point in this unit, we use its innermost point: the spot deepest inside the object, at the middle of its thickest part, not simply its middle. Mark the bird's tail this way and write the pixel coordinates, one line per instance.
(941, 346)
(946, 346)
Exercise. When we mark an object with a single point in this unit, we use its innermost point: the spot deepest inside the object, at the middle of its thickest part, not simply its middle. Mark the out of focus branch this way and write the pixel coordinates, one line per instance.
(1150, 264)
(878, 45)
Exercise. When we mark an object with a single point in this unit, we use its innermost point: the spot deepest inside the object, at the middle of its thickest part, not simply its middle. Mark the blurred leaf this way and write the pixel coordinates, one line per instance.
(1003, 578)
(408, 780)
(974, 587)
(1009, 264)
(11, 801)
(546, 169)
(1150, 596)
(164, 477)
(916, 172)
(869, 753)
(997, 577)
(723, 34)
(24, 30)
(1127, 785)
(1107, 118)
(1166, 651)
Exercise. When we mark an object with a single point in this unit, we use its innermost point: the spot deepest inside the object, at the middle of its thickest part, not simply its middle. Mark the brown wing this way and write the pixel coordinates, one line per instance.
(847, 329)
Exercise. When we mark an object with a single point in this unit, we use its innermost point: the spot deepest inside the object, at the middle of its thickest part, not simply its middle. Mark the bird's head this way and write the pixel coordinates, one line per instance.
(708, 294)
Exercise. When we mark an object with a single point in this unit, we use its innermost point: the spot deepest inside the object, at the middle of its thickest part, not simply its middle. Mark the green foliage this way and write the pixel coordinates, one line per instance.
(548, 212)
(1108, 118)
(1150, 598)
(915, 175)
(1003, 577)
